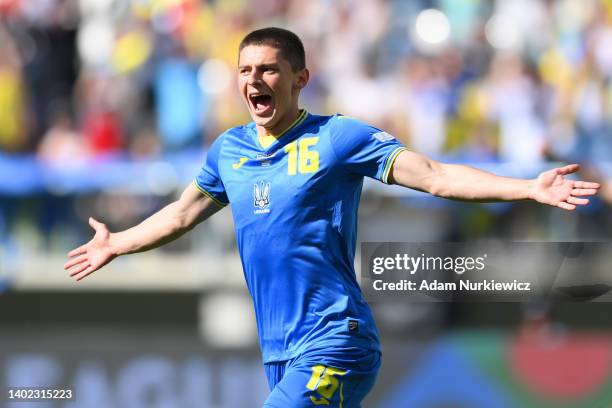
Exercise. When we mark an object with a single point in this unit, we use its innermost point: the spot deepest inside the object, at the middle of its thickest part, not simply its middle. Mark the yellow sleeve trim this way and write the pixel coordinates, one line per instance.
(209, 195)
(389, 165)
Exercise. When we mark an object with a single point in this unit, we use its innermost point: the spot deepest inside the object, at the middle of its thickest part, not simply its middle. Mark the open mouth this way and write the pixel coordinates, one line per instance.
(261, 103)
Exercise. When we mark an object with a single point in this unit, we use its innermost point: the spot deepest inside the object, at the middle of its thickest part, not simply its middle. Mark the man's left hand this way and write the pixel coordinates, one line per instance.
(553, 188)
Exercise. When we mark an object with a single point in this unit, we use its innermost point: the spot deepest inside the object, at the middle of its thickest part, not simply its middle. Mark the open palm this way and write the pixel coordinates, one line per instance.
(90, 257)
(552, 188)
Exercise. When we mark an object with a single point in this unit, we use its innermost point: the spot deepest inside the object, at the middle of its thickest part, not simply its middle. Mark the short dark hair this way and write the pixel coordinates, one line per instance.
(287, 42)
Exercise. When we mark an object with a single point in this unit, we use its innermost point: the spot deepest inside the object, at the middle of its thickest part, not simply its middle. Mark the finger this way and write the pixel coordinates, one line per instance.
(85, 273)
(577, 201)
(80, 268)
(584, 191)
(586, 184)
(78, 251)
(570, 168)
(95, 224)
(75, 261)
(566, 206)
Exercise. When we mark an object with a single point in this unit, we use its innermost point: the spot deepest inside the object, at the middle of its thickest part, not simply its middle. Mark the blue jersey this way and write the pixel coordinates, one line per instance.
(294, 205)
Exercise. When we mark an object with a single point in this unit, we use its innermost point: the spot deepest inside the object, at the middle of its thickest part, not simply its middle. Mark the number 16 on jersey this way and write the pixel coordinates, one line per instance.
(301, 158)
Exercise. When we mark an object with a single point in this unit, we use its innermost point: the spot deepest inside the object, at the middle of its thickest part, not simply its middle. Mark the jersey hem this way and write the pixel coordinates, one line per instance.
(322, 346)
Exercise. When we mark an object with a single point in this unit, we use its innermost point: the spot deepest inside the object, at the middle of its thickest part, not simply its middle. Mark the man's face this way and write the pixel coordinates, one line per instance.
(269, 86)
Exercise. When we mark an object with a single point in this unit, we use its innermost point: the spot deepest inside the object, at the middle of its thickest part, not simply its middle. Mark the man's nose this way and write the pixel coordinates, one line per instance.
(254, 77)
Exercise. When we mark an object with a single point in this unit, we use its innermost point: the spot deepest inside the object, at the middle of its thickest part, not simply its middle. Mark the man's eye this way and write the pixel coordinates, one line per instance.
(270, 70)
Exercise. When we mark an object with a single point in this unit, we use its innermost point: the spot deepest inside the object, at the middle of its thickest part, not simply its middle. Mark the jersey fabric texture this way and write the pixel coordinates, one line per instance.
(304, 382)
(294, 205)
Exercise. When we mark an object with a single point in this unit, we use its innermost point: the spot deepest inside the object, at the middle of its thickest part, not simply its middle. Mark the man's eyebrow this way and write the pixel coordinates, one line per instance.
(263, 66)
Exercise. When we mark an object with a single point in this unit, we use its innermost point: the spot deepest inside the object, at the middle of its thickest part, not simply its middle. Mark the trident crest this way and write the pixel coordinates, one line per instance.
(261, 194)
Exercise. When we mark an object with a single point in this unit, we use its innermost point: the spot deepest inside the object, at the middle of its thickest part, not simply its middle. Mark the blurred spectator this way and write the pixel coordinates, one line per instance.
(46, 33)
(179, 103)
(101, 99)
(513, 97)
(61, 144)
(12, 114)
(426, 103)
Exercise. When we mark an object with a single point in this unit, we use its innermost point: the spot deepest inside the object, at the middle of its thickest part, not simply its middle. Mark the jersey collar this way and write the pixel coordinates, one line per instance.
(297, 122)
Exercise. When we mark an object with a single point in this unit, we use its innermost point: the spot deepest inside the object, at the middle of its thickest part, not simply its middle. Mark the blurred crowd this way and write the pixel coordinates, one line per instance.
(478, 80)
(523, 82)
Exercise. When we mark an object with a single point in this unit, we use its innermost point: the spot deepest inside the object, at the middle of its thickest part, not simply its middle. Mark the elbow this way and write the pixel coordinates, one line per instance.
(180, 223)
(439, 189)
(436, 190)
(187, 220)
(183, 224)
(437, 183)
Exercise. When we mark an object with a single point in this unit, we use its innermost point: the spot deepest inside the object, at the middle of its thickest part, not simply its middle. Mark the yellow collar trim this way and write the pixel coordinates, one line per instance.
(266, 141)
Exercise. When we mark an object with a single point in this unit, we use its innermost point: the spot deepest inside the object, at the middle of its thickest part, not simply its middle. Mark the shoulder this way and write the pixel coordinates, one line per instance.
(316, 123)
(232, 136)
(336, 124)
(348, 128)
(237, 132)
(347, 124)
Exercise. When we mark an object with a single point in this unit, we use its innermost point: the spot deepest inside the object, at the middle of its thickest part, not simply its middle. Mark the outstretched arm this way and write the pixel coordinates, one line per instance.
(466, 183)
(164, 226)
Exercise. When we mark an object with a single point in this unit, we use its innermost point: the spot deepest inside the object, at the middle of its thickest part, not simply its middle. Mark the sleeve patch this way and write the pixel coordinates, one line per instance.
(383, 136)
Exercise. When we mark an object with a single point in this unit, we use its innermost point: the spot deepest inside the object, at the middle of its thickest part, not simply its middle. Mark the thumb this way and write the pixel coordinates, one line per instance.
(569, 169)
(96, 225)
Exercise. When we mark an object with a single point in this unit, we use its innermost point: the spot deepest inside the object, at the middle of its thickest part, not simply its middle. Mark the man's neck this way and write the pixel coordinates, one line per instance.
(281, 127)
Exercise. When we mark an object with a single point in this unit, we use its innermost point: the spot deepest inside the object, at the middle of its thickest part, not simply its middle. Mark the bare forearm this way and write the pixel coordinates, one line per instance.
(166, 225)
(466, 183)
(162, 227)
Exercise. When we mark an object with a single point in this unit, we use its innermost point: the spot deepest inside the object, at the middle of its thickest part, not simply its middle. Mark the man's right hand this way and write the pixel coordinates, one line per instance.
(92, 256)
(166, 225)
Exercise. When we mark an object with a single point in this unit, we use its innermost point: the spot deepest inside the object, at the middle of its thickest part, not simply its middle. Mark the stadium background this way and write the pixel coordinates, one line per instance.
(107, 107)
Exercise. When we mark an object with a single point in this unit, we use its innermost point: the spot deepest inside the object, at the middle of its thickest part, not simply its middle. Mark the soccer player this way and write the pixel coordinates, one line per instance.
(294, 181)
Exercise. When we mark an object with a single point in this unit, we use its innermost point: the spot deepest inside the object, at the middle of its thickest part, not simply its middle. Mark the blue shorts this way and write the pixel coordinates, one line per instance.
(315, 379)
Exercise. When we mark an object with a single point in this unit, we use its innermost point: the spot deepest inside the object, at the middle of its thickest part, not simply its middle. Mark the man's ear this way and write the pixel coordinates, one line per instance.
(302, 78)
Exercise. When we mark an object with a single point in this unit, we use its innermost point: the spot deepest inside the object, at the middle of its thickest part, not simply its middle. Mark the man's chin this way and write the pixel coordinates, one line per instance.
(264, 121)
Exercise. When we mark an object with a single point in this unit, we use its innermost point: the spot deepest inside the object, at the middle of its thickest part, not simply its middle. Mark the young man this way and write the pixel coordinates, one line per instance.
(294, 181)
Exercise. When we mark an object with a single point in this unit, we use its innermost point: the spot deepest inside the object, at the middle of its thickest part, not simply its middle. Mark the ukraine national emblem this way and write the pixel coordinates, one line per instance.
(261, 196)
